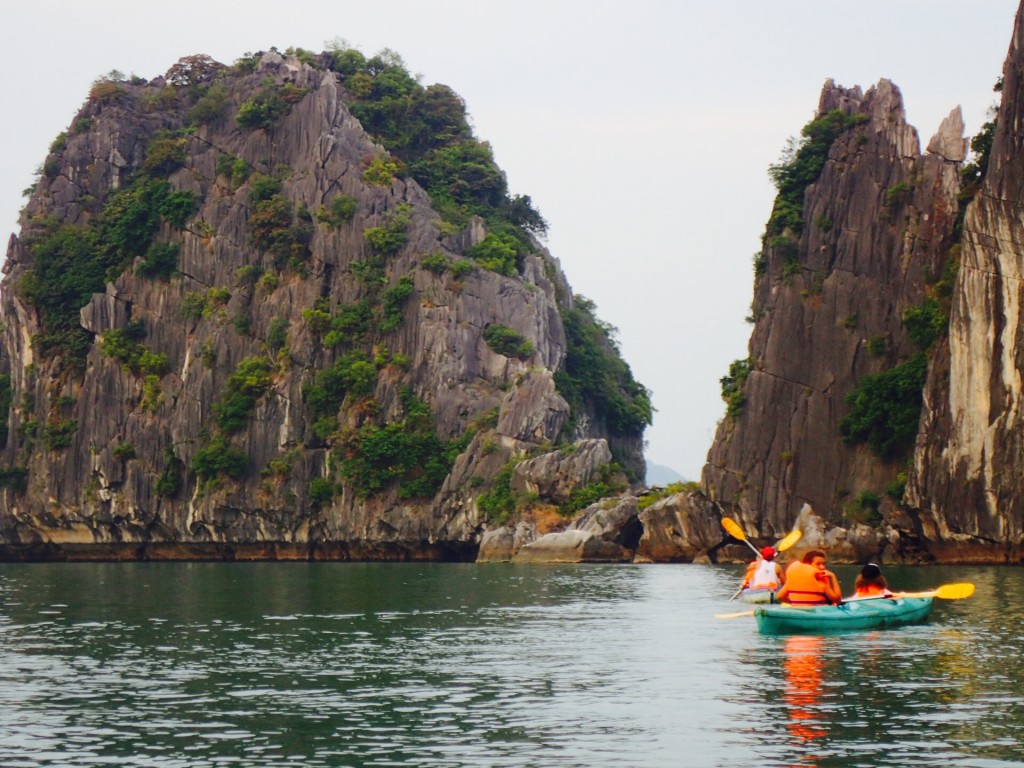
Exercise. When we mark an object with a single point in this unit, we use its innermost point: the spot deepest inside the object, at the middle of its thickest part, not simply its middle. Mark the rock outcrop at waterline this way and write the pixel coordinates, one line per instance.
(235, 325)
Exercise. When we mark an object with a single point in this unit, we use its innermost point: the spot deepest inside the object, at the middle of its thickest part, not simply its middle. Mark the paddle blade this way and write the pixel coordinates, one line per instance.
(733, 615)
(955, 591)
(733, 529)
(790, 539)
(945, 592)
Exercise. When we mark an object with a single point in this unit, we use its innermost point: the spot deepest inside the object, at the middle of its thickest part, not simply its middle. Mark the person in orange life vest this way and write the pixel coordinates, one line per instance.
(871, 583)
(764, 573)
(808, 582)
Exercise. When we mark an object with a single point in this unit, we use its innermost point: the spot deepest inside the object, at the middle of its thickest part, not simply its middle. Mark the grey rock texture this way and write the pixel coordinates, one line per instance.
(89, 498)
(964, 485)
(683, 528)
(828, 309)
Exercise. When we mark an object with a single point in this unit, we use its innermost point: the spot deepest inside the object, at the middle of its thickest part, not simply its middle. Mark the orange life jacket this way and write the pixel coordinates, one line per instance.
(870, 590)
(802, 585)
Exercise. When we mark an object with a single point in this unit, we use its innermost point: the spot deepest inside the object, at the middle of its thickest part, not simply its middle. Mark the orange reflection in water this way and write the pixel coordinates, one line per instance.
(803, 667)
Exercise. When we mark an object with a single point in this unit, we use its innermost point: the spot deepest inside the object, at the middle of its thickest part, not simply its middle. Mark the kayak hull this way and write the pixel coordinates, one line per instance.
(756, 596)
(854, 616)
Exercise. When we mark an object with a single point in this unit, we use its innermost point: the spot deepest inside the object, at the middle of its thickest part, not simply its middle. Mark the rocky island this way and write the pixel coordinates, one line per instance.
(288, 309)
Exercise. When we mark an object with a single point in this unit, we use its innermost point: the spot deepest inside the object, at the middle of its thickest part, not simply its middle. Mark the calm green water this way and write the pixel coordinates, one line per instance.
(323, 664)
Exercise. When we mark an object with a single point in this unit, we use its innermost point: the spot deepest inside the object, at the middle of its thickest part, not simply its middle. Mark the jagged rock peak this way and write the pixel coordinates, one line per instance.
(835, 96)
(949, 141)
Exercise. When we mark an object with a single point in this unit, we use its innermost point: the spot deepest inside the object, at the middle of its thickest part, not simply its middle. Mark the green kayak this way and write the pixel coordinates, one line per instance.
(848, 617)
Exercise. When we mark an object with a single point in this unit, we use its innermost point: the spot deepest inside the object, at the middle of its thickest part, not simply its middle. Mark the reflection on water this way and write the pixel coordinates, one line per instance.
(802, 662)
(322, 664)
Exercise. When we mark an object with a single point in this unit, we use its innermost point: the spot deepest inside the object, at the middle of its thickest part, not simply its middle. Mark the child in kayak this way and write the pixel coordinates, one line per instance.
(871, 583)
(808, 582)
(764, 572)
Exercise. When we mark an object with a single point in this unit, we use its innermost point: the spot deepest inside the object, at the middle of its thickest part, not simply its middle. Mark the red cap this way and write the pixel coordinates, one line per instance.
(768, 553)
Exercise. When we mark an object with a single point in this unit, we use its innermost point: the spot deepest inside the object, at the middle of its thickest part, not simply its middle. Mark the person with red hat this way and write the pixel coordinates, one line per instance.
(764, 572)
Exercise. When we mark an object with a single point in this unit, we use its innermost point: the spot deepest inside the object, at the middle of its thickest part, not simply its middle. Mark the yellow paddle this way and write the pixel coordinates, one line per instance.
(733, 615)
(788, 541)
(945, 592)
(734, 530)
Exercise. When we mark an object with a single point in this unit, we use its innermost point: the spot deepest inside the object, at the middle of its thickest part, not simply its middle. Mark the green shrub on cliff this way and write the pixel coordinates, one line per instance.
(732, 386)
(339, 211)
(391, 236)
(800, 166)
(508, 342)
(124, 345)
(499, 501)
(595, 376)
(15, 478)
(427, 130)
(498, 252)
(405, 452)
(219, 458)
(269, 105)
(250, 381)
(925, 323)
(885, 408)
(864, 509)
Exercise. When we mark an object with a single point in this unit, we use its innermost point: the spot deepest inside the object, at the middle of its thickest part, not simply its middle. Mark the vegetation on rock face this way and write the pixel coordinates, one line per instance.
(886, 407)
(407, 452)
(124, 345)
(250, 381)
(864, 509)
(732, 386)
(609, 483)
(925, 323)
(427, 131)
(500, 501)
(508, 342)
(72, 262)
(594, 373)
(269, 105)
(671, 489)
(801, 165)
(972, 174)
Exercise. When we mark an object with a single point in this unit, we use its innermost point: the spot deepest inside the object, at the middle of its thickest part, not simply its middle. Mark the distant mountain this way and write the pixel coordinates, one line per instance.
(659, 475)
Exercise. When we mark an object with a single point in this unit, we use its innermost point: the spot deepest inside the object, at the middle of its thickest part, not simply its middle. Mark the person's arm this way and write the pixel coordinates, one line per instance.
(832, 589)
(749, 574)
(781, 573)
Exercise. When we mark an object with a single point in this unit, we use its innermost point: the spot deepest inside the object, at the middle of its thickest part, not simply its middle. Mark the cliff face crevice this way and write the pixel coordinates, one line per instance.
(175, 414)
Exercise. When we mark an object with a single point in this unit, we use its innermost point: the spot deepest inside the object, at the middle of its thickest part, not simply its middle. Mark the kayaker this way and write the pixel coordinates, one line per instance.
(809, 582)
(764, 572)
(871, 583)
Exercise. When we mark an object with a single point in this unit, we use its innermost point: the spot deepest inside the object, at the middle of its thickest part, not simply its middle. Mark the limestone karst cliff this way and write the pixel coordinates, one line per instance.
(833, 285)
(882, 393)
(288, 309)
(964, 485)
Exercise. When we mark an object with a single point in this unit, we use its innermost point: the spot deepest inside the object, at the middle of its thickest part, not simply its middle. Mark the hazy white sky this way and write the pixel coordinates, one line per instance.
(642, 130)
